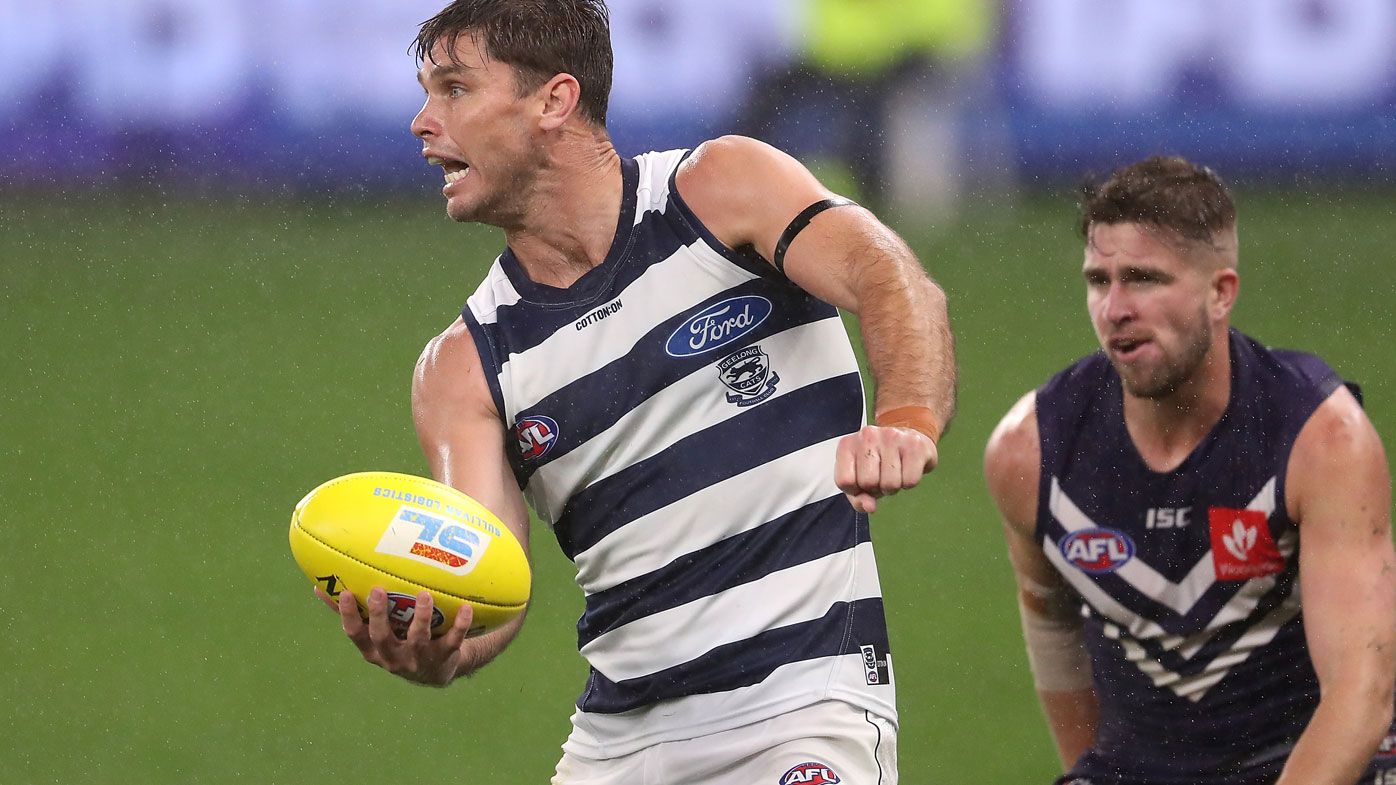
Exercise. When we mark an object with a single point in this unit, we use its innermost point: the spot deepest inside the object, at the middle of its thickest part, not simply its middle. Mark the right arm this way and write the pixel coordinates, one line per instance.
(462, 436)
(1047, 605)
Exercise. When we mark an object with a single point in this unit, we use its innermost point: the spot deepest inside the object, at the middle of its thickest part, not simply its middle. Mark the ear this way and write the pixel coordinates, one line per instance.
(1226, 285)
(560, 95)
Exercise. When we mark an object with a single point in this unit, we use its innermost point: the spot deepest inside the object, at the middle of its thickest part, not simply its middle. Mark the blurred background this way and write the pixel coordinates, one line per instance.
(220, 253)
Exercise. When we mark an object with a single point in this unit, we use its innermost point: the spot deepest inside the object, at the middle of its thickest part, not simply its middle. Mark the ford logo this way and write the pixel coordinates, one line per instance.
(718, 325)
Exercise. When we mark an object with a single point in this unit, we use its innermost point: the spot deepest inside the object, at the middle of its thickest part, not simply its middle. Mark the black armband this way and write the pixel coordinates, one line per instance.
(801, 221)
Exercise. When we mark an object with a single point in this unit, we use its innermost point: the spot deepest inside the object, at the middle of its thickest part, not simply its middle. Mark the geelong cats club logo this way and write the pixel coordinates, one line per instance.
(748, 376)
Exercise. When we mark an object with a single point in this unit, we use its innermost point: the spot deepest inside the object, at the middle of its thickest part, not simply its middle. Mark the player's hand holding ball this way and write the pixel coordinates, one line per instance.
(413, 568)
(881, 459)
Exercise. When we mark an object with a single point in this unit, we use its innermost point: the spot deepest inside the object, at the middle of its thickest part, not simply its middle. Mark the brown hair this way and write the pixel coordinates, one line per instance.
(1166, 192)
(538, 38)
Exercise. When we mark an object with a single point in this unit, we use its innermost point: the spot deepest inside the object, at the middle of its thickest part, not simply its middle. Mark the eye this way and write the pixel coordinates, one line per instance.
(456, 91)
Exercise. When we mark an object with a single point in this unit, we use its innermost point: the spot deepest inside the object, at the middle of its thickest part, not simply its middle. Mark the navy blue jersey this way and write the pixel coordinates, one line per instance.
(675, 415)
(1188, 578)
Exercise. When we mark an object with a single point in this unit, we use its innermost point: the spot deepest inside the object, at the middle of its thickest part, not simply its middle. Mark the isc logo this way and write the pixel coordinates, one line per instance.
(536, 436)
(810, 774)
(1098, 550)
(432, 539)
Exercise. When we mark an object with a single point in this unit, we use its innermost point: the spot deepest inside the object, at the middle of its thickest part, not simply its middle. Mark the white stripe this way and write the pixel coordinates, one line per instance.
(787, 688)
(1179, 597)
(1104, 604)
(653, 191)
(495, 292)
(672, 637)
(801, 356)
(674, 286)
(1195, 687)
(730, 507)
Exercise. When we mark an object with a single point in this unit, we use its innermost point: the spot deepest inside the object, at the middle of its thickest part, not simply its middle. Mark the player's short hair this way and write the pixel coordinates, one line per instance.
(538, 38)
(1166, 192)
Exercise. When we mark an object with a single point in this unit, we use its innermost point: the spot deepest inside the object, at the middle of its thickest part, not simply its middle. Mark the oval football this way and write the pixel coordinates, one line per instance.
(408, 534)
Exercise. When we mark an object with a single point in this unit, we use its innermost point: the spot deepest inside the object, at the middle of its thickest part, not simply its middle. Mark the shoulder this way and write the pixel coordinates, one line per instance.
(449, 373)
(743, 189)
(1012, 461)
(1337, 444)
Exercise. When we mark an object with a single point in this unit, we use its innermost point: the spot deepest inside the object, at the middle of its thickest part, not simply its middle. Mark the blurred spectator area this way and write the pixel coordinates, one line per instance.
(315, 94)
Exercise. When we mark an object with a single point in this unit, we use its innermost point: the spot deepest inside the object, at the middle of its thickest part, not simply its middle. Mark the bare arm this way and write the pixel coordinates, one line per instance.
(1339, 490)
(747, 193)
(463, 438)
(1047, 605)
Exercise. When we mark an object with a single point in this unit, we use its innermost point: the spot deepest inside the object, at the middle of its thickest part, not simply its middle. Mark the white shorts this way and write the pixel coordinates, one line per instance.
(829, 742)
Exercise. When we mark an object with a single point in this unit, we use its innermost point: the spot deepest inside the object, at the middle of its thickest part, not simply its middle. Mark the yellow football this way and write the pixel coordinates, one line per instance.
(409, 534)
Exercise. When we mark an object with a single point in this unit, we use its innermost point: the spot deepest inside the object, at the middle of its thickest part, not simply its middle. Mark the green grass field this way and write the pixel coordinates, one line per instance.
(177, 374)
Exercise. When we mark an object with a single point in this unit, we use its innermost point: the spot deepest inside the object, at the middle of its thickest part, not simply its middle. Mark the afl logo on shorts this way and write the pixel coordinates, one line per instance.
(717, 325)
(810, 774)
(1098, 550)
(536, 435)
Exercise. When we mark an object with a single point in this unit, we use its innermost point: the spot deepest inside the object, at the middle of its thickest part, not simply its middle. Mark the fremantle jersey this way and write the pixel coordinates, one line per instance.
(1188, 578)
(675, 415)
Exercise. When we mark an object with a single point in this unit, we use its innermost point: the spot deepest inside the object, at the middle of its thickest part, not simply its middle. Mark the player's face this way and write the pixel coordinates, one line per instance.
(1149, 306)
(476, 128)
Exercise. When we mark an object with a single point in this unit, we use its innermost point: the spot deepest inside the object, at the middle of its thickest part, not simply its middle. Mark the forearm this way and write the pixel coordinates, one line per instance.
(1339, 741)
(1072, 717)
(476, 653)
(906, 335)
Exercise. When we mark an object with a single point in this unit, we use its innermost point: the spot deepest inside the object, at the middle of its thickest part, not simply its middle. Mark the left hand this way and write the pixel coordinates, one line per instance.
(877, 462)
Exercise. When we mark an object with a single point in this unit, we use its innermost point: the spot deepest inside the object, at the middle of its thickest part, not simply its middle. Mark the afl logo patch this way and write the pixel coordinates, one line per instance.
(810, 774)
(1098, 550)
(536, 435)
(718, 325)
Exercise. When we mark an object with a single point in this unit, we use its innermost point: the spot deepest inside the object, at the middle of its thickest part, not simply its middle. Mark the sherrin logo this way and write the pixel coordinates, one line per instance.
(718, 325)
(401, 609)
(433, 539)
(1098, 550)
(810, 774)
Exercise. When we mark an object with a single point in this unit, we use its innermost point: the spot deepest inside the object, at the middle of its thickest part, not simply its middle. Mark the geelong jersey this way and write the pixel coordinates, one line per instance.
(1188, 578)
(675, 415)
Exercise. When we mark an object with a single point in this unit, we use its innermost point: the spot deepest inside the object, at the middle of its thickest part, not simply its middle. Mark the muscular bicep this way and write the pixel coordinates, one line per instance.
(1339, 491)
(461, 433)
(747, 193)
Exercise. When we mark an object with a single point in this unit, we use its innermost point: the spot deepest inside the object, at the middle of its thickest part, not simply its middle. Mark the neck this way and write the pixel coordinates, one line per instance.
(1166, 430)
(574, 203)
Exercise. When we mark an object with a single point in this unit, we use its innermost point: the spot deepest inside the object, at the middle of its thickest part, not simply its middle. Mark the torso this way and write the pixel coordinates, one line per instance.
(675, 414)
(1188, 577)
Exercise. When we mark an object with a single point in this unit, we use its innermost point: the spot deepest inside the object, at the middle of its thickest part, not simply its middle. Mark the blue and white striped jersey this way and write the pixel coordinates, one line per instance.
(1188, 578)
(676, 414)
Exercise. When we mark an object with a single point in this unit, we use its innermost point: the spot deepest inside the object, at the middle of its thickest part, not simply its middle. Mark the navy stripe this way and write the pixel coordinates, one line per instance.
(608, 393)
(811, 532)
(745, 257)
(734, 665)
(809, 415)
(530, 323)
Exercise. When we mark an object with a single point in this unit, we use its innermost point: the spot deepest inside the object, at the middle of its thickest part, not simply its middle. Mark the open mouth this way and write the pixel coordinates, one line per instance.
(1126, 348)
(455, 170)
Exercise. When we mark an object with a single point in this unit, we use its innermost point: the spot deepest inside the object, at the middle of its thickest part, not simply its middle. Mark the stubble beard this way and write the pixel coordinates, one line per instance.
(1171, 374)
